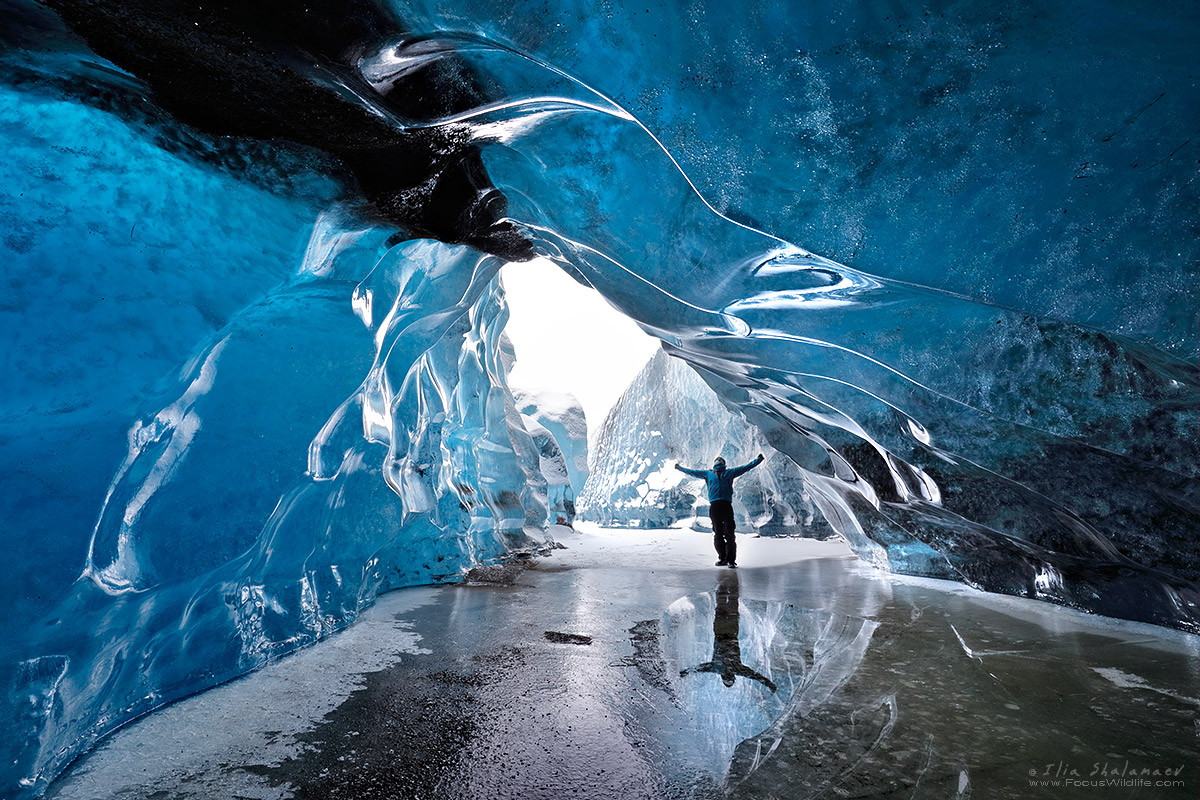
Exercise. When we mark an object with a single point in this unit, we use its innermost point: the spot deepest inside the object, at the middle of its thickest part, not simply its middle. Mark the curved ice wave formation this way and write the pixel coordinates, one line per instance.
(209, 557)
(925, 464)
(350, 431)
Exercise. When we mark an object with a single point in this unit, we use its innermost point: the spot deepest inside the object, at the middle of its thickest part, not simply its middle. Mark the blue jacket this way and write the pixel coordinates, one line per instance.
(720, 481)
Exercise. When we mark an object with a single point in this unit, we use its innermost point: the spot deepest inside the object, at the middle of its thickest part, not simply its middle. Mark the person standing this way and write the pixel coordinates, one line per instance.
(720, 504)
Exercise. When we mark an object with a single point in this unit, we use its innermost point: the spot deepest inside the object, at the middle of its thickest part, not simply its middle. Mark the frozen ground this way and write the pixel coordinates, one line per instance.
(561, 677)
(593, 547)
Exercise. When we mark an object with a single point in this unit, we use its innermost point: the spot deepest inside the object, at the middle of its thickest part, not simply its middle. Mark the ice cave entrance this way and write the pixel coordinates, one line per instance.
(567, 338)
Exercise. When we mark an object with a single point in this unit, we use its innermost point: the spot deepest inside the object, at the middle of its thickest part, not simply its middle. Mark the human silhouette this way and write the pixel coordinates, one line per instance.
(720, 504)
(727, 651)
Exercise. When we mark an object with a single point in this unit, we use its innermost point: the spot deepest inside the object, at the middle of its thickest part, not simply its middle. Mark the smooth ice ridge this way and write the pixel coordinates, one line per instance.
(341, 423)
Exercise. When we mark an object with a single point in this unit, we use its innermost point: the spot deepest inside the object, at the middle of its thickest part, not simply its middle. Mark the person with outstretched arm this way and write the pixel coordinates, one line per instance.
(720, 504)
(727, 648)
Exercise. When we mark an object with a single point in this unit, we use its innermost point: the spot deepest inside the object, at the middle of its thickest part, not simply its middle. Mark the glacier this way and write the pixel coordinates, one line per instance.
(558, 425)
(254, 371)
(668, 415)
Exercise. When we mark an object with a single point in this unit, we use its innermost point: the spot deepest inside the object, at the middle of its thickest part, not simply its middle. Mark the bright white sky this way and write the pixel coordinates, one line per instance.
(568, 339)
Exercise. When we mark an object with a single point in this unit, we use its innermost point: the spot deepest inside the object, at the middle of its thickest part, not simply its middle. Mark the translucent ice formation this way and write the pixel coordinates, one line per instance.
(209, 558)
(559, 430)
(924, 461)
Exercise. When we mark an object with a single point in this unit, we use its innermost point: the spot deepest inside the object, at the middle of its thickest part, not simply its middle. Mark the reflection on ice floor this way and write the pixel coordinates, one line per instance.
(717, 643)
(884, 686)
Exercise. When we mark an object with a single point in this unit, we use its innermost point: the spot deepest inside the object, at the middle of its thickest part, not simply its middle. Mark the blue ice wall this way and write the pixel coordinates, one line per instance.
(118, 257)
(1036, 155)
(235, 405)
(232, 414)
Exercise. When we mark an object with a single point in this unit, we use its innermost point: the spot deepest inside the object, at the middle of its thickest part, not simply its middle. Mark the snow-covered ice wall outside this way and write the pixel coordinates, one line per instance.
(669, 416)
(559, 429)
(1002, 392)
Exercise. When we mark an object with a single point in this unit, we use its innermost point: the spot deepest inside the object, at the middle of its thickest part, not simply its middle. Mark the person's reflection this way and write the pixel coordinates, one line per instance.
(727, 652)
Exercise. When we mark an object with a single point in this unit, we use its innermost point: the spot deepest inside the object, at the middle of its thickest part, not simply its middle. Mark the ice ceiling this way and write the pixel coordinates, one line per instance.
(253, 372)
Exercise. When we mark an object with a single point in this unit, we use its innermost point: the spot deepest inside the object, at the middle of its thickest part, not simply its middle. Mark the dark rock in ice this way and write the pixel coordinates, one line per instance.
(272, 70)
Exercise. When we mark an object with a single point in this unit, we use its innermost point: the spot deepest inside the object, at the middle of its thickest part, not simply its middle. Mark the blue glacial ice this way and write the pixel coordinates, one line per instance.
(558, 426)
(246, 389)
(669, 416)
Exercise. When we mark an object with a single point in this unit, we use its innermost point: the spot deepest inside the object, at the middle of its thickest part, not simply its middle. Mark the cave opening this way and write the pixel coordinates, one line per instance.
(569, 340)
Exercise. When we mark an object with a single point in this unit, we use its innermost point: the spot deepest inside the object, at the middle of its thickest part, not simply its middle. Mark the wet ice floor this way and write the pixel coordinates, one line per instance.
(628, 666)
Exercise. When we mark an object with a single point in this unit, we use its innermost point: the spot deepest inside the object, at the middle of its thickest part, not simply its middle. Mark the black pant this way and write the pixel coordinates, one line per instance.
(721, 514)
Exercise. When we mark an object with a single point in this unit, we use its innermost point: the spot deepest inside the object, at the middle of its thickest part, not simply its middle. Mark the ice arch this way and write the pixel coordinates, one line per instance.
(341, 423)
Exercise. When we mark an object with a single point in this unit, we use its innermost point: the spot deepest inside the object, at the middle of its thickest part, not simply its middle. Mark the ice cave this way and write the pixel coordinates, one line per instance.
(939, 259)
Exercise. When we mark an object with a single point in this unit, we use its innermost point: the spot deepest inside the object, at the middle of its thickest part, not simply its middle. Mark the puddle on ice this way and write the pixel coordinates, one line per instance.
(740, 666)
